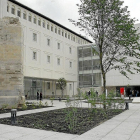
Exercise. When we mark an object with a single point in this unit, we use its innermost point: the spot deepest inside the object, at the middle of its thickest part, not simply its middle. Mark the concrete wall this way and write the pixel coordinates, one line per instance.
(11, 61)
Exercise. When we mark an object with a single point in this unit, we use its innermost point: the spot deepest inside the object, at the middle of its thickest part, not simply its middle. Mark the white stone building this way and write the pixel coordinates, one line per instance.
(49, 52)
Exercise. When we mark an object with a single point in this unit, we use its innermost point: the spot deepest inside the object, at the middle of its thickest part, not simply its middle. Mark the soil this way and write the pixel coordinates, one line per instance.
(57, 120)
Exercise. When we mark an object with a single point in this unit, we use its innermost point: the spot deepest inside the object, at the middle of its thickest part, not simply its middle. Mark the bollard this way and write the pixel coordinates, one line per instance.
(13, 116)
(126, 105)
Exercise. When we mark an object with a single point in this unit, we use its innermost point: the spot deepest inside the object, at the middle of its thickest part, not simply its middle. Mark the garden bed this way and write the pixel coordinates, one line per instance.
(29, 107)
(67, 120)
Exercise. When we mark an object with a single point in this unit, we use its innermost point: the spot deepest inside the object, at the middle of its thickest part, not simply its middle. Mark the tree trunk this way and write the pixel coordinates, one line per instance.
(104, 83)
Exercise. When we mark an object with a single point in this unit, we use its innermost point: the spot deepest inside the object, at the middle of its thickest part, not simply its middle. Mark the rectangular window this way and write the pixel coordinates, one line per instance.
(48, 85)
(58, 46)
(39, 22)
(7, 8)
(34, 20)
(33, 83)
(52, 28)
(12, 10)
(43, 24)
(62, 34)
(70, 51)
(66, 35)
(30, 18)
(24, 16)
(70, 87)
(48, 42)
(59, 31)
(48, 27)
(70, 64)
(34, 56)
(56, 30)
(18, 13)
(34, 37)
(58, 61)
(48, 58)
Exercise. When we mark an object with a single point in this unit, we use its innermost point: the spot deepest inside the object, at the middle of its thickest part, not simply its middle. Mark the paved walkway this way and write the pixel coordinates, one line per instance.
(125, 126)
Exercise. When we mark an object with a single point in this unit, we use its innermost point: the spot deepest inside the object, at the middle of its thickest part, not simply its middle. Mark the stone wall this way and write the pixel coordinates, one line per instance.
(11, 61)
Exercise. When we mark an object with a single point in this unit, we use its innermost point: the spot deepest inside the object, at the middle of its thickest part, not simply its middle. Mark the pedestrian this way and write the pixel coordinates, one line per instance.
(132, 93)
(37, 95)
(97, 93)
(89, 93)
(40, 96)
(137, 93)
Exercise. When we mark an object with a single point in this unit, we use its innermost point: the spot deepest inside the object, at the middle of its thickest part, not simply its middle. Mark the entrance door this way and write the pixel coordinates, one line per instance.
(33, 92)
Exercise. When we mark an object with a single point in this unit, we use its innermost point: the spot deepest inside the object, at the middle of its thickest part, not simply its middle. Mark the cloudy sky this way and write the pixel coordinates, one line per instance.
(62, 10)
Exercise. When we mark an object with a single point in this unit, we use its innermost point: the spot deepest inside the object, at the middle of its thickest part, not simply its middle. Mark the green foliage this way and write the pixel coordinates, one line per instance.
(62, 84)
(110, 26)
(51, 99)
(4, 106)
(24, 106)
(46, 103)
(40, 104)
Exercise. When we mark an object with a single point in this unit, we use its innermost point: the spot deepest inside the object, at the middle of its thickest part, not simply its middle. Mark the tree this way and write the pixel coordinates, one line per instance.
(110, 26)
(62, 84)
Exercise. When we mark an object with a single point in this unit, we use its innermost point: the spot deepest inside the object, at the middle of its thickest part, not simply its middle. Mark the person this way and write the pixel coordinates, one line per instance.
(137, 92)
(37, 96)
(132, 93)
(40, 96)
(97, 93)
(89, 93)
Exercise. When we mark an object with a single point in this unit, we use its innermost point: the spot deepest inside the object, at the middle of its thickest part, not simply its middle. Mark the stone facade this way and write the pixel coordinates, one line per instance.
(11, 61)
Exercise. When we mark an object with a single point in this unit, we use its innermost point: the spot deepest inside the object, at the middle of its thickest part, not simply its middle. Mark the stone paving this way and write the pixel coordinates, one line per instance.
(125, 126)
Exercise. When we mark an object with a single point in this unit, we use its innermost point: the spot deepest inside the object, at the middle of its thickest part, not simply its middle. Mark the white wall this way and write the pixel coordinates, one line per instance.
(40, 68)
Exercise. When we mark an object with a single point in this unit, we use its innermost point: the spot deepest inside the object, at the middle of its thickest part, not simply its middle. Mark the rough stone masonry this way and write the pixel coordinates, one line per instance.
(11, 61)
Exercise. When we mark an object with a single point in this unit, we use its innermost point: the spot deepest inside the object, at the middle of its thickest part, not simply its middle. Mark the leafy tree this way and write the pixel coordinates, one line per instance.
(62, 84)
(110, 26)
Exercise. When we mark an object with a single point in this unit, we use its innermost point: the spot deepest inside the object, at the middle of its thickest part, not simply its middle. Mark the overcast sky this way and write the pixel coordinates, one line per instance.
(62, 10)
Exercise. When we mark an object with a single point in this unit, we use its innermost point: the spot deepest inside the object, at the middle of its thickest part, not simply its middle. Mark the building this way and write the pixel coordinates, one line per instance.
(49, 51)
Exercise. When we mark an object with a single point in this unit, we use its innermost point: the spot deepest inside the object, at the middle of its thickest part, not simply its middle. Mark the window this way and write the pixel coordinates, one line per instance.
(34, 56)
(30, 17)
(55, 30)
(48, 85)
(33, 83)
(58, 61)
(48, 26)
(18, 13)
(43, 24)
(13, 10)
(66, 35)
(39, 22)
(48, 42)
(70, 87)
(74, 39)
(52, 28)
(24, 15)
(62, 33)
(34, 37)
(70, 50)
(59, 31)
(58, 46)
(70, 64)
(48, 58)
(7, 8)
(34, 20)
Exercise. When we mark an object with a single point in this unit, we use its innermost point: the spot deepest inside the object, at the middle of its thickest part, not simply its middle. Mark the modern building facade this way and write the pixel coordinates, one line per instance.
(49, 51)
